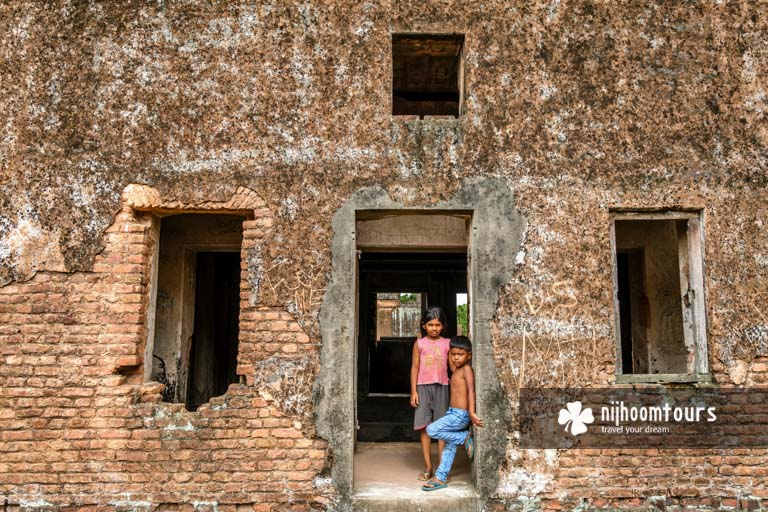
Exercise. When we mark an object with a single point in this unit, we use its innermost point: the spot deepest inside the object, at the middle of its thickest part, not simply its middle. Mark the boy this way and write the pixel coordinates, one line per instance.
(453, 428)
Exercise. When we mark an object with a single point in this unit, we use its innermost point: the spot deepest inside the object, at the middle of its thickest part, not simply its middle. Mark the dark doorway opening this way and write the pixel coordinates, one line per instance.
(632, 303)
(213, 357)
(193, 341)
(395, 289)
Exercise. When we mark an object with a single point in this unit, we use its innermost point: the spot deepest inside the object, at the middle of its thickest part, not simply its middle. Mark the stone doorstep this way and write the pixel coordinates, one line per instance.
(430, 502)
(394, 497)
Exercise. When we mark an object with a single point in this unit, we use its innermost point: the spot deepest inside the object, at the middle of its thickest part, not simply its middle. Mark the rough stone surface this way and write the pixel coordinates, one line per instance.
(575, 106)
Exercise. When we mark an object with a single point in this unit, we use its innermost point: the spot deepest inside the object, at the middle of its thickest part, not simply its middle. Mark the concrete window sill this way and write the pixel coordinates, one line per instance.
(415, 117)
(664, 378)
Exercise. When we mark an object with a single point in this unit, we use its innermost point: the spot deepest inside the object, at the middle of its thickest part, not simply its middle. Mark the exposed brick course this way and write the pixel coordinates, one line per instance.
(77, 424)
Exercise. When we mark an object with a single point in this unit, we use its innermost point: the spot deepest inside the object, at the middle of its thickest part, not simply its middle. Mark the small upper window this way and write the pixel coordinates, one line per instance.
(427, 74)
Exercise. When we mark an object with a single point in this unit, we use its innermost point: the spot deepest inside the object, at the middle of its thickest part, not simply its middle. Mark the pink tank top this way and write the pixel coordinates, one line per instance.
(433, 361)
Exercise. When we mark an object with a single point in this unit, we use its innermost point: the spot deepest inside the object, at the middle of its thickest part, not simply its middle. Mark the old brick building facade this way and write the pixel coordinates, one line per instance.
(599, 166)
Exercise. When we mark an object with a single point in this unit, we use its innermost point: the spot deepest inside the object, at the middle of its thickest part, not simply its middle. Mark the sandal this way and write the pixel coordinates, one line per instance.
(433, 485)
(424, 476)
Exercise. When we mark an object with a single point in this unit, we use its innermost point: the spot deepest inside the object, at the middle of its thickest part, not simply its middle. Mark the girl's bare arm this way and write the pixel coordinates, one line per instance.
(414, 375)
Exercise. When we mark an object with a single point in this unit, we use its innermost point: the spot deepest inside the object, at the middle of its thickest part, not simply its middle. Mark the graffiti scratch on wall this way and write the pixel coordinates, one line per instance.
(303, 288)
(552, 335)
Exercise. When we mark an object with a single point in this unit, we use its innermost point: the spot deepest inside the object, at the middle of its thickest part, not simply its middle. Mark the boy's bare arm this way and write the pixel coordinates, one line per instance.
(469, 378)
(414, 375)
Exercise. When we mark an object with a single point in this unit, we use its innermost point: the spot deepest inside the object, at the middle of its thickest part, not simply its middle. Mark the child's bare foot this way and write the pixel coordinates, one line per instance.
(426, 475)
(469, 445)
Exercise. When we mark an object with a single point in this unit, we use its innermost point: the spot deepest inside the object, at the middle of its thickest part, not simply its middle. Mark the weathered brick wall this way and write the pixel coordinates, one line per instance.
(79, 429)
(671, 479)
(579, 106)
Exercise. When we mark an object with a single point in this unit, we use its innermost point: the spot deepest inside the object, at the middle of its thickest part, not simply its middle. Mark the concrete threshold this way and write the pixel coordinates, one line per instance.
(385, 480)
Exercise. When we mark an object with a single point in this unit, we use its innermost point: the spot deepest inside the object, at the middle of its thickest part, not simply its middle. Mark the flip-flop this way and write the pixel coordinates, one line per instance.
(424, 476)
(433, 485)
(469, 445)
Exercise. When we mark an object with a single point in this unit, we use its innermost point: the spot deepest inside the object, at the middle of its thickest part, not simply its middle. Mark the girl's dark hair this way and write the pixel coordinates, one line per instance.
(434, 313)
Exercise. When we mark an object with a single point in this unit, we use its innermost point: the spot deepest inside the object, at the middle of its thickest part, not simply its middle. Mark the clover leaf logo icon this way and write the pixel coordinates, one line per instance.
(573, 415)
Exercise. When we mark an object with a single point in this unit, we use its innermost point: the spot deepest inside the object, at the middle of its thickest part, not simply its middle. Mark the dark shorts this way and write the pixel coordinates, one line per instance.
(433, 402)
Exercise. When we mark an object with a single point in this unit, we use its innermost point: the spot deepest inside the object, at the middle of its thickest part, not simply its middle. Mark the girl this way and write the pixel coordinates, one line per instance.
(429, 381)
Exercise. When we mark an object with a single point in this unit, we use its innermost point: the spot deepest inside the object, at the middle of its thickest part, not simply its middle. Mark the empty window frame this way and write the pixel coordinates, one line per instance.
(398, 326)
(194, 342)
(462, 314)
(659, 296)
(427, 74)
(398, 315)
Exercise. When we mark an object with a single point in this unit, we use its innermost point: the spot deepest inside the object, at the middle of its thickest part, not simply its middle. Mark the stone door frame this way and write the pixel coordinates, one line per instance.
(494, 240)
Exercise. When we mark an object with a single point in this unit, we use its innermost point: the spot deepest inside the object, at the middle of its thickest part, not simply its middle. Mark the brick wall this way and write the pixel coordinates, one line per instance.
(691, 479)
(80, 429)
(653, 504)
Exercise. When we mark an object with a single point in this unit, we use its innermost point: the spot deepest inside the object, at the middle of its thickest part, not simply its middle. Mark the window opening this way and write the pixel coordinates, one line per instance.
(659, 294)
(427, 74)
(213, 357)
(194, 347)
(462, 315)
(398, 316)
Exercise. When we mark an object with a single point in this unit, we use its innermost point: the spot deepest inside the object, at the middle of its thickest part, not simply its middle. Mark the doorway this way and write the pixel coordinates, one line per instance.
(395, 289)
(407, 261)
(213, 352)
(481, 220)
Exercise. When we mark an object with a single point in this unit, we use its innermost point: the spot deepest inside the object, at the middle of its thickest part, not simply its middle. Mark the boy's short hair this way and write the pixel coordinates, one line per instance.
(461, 342)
